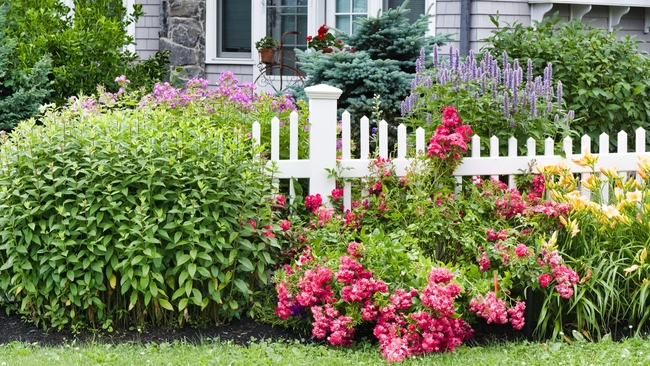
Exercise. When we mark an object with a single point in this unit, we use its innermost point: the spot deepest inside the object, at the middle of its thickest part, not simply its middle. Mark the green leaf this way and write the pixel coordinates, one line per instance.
(165, 304)
(191, 269)
(246, 264)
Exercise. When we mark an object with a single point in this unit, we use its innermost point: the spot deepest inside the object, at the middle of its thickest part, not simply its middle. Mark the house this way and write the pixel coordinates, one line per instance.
(206, 37)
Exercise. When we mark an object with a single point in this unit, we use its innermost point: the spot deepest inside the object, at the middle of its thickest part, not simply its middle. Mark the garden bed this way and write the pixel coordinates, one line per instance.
(239, 332)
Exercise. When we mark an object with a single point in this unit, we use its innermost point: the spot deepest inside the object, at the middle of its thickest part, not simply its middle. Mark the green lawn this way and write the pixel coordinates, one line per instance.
(630, 352)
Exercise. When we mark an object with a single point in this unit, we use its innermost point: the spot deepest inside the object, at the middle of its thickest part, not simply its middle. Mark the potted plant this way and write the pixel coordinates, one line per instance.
(266, 47)
(324, 41)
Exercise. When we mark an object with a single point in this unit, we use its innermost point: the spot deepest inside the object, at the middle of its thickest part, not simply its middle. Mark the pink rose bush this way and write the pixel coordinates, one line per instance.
(340, 296)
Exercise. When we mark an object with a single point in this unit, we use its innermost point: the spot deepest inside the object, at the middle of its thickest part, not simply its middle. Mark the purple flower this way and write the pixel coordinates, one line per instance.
(533, 104)
(373, 131)
(529, 73)
(559, 94)
(506, 107)
(435, 56)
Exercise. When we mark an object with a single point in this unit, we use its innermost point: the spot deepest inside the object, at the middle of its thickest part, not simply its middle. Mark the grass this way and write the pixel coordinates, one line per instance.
(634, 351)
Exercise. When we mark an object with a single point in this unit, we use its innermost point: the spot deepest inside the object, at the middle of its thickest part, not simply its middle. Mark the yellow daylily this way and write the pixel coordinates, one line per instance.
(635, 196)
(631, 269)
(590, 183)
(610, 173)
(587, 160)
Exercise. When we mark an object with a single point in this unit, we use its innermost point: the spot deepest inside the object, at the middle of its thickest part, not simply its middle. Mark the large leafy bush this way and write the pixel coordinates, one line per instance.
(606, 80)
(87, 44)
(21, 90)
(155, 215)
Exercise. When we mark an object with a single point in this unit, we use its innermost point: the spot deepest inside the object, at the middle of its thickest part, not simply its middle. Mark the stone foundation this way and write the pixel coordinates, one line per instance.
(182, 32)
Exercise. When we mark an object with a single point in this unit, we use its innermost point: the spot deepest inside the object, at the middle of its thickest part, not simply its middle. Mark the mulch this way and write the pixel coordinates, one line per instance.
(240, 332)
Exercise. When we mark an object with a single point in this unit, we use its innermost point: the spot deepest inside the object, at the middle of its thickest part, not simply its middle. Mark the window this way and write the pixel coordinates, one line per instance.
(234, 29)
(418, 7)
(285, 16)
(347, 11)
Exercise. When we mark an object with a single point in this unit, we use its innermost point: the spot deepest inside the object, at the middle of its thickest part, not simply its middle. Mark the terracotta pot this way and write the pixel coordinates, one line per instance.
(327, 50)
(266, 55)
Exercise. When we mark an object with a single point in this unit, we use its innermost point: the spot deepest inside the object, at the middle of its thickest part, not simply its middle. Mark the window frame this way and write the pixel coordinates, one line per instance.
(213, 36)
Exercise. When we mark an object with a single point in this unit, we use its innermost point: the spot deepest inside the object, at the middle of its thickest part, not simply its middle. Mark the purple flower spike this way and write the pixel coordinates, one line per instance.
(506, 106)
(533, 104)
(559, 95)
(529, 75)
(435, 56)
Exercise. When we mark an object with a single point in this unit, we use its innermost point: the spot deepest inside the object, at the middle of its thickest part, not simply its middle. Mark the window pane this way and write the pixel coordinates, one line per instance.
(236, 26)
(354, 25)
(343, 6)
(287, 2)
(343, 23)
(417, 8)
(360, 6)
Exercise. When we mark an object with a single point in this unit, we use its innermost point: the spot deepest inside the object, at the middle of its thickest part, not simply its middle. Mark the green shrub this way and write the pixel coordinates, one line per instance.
(606, 80)
(21, 89)
(132, 217)
(86, 45)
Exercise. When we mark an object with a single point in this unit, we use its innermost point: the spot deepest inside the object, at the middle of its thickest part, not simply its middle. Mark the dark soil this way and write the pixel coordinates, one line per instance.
(240, 332)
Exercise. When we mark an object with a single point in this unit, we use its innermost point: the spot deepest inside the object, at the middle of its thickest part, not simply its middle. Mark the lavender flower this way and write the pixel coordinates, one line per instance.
(529, 73)
(571, 115)
(559, 95)
(435, 57)
(533, 104)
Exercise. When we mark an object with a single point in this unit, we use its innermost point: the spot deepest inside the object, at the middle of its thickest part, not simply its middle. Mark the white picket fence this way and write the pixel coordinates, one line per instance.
(323, 139)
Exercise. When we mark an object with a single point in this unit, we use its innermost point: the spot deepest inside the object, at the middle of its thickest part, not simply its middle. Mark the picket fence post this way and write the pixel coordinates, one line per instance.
(323, 101)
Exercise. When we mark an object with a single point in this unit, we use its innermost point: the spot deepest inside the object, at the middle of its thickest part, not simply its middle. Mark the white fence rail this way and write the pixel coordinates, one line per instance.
(323, 140)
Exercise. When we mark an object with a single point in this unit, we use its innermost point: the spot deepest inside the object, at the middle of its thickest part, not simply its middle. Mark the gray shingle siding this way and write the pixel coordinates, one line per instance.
(243, 73)
(147, 28)
(448, 19)
(509, 12)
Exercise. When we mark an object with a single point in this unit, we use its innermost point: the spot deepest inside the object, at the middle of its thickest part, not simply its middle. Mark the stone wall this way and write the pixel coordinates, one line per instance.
(182, 32)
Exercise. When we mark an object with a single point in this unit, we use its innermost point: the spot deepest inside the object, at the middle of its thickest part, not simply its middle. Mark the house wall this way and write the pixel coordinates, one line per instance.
(244, 73)
(448, 19)
(147, 40)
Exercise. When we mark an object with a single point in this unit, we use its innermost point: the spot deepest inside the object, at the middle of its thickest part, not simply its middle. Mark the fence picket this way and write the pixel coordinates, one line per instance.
(383, 139)
(585, 147)
(365, 137)
(293, 149)
(346, 152)
(401, 141)
(549, 147)
(603, 149)
(512, 152)
(494, 151)
(419, 141)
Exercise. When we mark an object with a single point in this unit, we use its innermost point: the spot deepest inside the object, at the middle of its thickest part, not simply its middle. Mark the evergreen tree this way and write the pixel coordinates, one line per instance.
(22, 89)
(382, 62)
